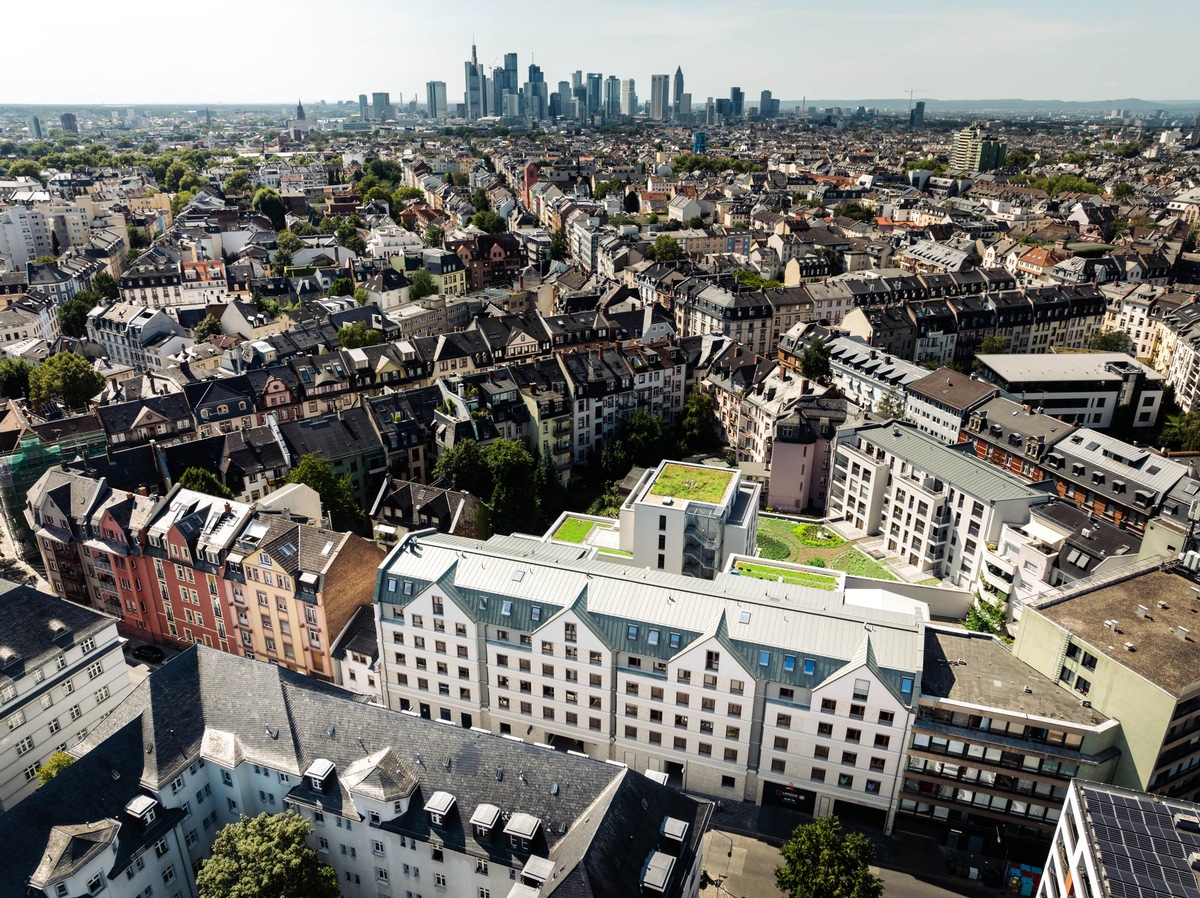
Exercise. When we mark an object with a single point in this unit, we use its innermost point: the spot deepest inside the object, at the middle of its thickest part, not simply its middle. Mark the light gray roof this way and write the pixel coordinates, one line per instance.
(955, 466)
(1064, 366)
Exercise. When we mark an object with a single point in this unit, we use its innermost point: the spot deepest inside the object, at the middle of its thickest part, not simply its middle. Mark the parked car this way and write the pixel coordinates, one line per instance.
(151, 653)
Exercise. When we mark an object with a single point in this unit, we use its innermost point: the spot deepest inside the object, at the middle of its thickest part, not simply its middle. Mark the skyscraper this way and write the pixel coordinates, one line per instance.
(976, 150)
(768, 106)
(475, 98)
(660, 97)
(1196, 131)
(535, 74)
(678, 98)
(511, 79)
(435, 99)
(710, 113)
(916, 115)
(595, 81)
(69, 122)
(629, 103)
(299, 111)
(362, 107)
(35, 127)
(612, 97)
(381, 104)
(737, 102)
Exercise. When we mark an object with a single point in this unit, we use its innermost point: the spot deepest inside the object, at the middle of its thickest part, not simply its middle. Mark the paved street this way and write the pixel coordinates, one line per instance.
(740, 866)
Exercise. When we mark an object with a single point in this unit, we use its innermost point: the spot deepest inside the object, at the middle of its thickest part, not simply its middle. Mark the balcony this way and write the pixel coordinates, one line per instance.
(102, 564)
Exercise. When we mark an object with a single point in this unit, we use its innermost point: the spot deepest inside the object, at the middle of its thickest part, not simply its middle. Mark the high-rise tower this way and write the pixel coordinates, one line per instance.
(678, 97)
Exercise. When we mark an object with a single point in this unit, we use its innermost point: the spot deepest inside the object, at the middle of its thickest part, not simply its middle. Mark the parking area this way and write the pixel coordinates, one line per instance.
(142, 667)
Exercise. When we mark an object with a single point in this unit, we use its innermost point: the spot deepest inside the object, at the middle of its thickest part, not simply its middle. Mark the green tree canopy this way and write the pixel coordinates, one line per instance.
(421, 284)
(814, 364)
(604, 188)
(513, 502)
(695, 222)
(479, 199)
(490, 222)
(665, 248)
(1020, 158)
(180, 200)
(55, 764)
(853, 211)
(1112, 340)
(1123, 191)
(891, 405)
(642, 439)
(993, 344)
(632, 202)
(352, 336)
(73, 314)
(822, 861)
(335, 490)
(341, 287)
(204, 481)
(67, 378)
(699, 422)
(548, 486)
(270, 204)
(106, 285)
(1180, 432)
(25, 168)
(14, 378)
(464, 467)
(238, 182)
(560, 247)
(434, 236)
(209, 327)
(266, 857)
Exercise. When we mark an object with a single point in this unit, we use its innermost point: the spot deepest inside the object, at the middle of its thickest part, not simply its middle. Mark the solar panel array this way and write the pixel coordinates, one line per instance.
(1141, 852)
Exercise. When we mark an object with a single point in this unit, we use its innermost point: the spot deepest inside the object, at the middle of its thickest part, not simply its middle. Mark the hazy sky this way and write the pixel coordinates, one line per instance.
(136, 51)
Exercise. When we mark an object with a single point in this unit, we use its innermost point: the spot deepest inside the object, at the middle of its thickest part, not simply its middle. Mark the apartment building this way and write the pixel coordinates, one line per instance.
(757, 691)
(61, 673)
(127, 332)
(745, 316)
(995, 745)
(155, 280)
(397, 805)
(936, 506)
(1121, 643)
(864, 375)
(940, 403)
(688, 519)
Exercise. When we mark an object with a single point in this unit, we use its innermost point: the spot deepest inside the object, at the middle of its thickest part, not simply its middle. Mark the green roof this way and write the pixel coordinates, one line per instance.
(692, 482)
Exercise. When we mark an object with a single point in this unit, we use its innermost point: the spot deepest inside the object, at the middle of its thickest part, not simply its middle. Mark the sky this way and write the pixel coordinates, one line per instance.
(231, 51)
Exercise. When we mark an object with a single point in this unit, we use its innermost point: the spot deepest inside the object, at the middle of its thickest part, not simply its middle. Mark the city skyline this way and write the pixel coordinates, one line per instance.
(940, 54)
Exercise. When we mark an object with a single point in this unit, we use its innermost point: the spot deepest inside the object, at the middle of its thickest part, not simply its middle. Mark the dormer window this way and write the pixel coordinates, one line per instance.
(439, 807)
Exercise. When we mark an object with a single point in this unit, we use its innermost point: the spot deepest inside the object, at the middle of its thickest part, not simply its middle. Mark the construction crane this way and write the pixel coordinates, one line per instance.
(911, 91)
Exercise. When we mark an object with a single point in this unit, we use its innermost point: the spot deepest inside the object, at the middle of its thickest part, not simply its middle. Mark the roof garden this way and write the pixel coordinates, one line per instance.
(691, 482)
(786, 574)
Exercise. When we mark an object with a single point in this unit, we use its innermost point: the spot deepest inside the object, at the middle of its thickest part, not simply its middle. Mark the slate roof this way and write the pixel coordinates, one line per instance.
(28, 622)
(230, 710)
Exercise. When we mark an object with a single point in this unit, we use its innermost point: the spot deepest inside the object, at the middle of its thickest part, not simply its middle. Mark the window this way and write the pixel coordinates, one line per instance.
(882, 741)
(849, 758)
(828, 706)
(887, 718)
(853, 735)
(845, 781)
(95, 884)
(817, 775)
(16, 719)
(439, 880)
(168, 875)
(906, 685)
(101, 694)
(825, 729)
(24, 746)
(810, 666)
(95, 669)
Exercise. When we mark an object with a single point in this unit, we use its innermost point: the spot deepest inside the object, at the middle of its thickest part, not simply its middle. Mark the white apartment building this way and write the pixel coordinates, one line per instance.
(936, 507)
(397, 806)
(61, 673)
(940, 403)
(126, 331)
(749, 689)
(864, 375)
(688, 519)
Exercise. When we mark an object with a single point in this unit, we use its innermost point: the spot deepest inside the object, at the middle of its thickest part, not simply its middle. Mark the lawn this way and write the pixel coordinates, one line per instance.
(857, 564)
(574, 530)
(803, 578)
(687, 482)
(814, 536)
(617, 552)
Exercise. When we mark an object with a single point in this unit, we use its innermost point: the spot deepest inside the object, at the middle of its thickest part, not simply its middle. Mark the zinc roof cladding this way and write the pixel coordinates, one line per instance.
(964, 471)
(781, 616)
(1134, 464)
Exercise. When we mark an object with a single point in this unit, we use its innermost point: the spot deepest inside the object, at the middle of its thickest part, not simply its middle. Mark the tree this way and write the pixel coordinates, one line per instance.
(238, 182)
(665, 248)
(204, 481)
(434, 236)
(1020, 158)
(73, 314)
(560, 247)
(604, 188)
(891, 406)
(513, 504)
(335, 490)
(25, 168)
(55, 764)
(632, 203)
(209, 327)
(814, 364)
(994, 344)
(175, 172)
(266, 857)
(46, 259)
(14, 378)
(403, 195)
(699, 423)
(180, 200)
(341, 287)
(695, 222)
(67, 378)
(1110, 340)
(549, 489)
(479, 199)
(352, 336)
(106, 285)
(270, 204)
(421, 284)
(464, 467)
(1123, 191)
(1180, 432)
(821, 861)
(853, 211)
(490, 222)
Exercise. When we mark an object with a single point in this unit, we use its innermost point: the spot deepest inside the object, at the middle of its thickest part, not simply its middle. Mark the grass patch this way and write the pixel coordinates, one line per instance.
(814, 536)
(857, 564)
(686, 482)
(574, 530)
(802, 578)
(616, 552)
(932, 581)
(772, 549)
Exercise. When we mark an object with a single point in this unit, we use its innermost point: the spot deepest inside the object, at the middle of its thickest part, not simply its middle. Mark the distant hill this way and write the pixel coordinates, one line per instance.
(1013, 105)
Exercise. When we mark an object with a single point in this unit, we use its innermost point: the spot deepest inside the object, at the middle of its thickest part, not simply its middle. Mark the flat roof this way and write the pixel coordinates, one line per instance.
(692, 483)
(1066, 366)
(977, 669)
(951, 389)
(1158, 655)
